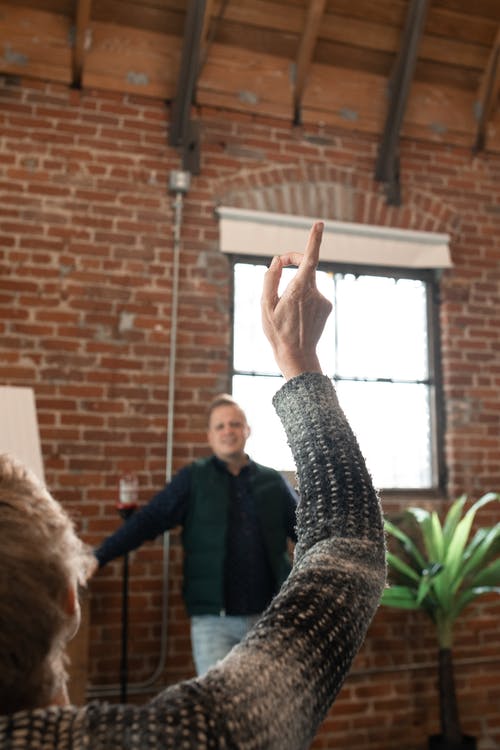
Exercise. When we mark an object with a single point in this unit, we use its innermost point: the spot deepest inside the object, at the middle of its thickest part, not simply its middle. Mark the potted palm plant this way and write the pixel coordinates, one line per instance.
(440, 570)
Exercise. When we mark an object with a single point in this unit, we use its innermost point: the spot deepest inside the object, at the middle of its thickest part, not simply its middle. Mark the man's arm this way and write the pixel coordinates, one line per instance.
(164, 511)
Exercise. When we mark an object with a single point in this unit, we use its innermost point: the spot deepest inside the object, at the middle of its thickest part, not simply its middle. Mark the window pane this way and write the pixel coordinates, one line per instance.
(392, 424)
(267, 442)
(251, 349)
(377, 330)
(381, 328)
(326, 346)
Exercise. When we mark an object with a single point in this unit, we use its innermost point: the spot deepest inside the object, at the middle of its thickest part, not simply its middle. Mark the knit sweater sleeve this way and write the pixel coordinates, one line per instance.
(338, 499)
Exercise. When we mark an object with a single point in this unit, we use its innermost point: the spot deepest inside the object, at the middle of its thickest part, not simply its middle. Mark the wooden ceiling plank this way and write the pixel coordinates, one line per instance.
(236, 80)
(387, 167)
(225, 101)
(266, 15)
(209, 30)
(358, 96)
(453, 52)
(465, 28)
(159, 18)
(337, 34)
(392, 12)
(286, 16)
(132, 60)
(35, 43)
(82, 39)
(63, 7)
(306, 51)
(485, 8)
(487, 96)
(205, 31)
(466, 79)
(248, 78)
(334, 28)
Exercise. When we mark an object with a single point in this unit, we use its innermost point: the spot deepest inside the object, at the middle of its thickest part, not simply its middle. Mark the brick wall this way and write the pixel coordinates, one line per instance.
(86, 250)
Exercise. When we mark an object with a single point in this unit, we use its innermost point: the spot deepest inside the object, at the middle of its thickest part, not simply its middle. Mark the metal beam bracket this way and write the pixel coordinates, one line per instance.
(185, 133)
(387, 167)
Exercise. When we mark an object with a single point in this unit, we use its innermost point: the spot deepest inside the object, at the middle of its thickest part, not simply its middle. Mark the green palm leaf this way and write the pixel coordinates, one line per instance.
(478, 551)
(454, 555)
(437, 537)
(471, 594)
(408, 543)
(489, 576)
(400, 597)
(402, 567)
(441, 585)
(424, 521)
(453, 517)
(476, 541)
(424, 590)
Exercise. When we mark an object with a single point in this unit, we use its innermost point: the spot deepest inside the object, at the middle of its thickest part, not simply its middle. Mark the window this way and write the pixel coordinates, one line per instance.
(378, 347)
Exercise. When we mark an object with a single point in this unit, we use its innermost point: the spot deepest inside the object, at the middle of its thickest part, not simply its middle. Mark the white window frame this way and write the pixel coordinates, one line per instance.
(252, 236)
(260, 233)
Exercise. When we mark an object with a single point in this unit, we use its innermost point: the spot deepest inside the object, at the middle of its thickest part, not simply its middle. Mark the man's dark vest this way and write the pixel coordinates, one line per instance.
(205, 528)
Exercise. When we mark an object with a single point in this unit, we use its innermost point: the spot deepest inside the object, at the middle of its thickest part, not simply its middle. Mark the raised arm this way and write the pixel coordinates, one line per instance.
(337, 493)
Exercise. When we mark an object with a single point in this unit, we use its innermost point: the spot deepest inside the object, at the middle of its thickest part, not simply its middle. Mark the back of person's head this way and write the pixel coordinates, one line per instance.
(41, 559)
(223, 399)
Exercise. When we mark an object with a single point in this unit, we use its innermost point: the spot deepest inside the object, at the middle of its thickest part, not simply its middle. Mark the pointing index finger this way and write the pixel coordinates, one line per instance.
(308, 261)
(311, 255)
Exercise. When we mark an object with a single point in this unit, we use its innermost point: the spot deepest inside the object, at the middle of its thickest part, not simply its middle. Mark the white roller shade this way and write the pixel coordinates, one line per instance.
(244, 232)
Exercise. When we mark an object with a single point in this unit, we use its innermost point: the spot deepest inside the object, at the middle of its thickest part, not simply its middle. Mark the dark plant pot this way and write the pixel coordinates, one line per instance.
(436, 742)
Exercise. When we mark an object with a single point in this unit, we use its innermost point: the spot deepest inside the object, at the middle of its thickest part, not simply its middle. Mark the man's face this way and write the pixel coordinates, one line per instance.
(228, 432)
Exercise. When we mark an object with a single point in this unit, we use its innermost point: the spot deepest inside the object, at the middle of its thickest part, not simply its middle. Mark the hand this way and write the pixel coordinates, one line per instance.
(294, 322)
(91, 568)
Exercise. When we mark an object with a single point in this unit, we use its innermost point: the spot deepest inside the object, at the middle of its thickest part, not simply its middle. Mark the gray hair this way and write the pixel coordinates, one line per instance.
(41, 557)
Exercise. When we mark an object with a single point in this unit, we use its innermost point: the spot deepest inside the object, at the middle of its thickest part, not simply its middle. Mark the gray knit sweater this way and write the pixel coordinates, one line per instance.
(274, 689)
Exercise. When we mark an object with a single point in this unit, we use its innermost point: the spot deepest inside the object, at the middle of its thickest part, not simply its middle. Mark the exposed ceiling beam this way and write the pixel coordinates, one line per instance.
(387, 167)
(183, 132)
(487, 96)
(81, 40)
(305, 53)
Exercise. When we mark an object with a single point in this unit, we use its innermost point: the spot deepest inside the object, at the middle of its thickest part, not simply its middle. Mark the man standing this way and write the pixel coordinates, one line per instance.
(237, 517)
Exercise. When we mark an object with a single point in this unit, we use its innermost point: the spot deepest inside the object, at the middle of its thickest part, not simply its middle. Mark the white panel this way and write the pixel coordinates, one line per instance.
(244, 232)
(19, 434)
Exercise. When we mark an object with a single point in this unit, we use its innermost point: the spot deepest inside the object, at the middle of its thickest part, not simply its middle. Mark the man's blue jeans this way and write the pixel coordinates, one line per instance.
(213, 636)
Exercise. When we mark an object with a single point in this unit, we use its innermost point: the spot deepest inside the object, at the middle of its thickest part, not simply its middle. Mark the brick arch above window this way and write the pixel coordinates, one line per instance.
(332, 192)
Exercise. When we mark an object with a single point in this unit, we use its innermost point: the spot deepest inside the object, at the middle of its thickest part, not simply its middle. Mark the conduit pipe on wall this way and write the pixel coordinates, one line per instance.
(179, 183)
